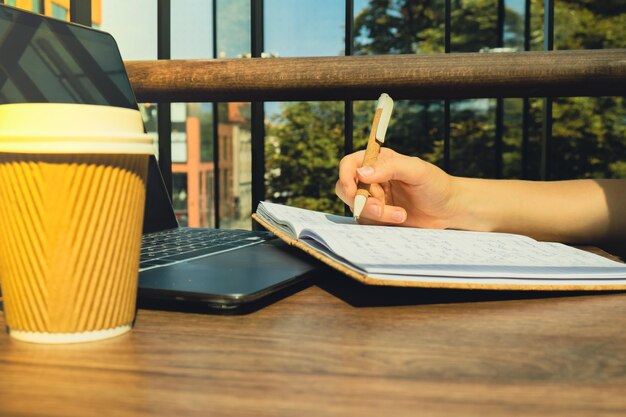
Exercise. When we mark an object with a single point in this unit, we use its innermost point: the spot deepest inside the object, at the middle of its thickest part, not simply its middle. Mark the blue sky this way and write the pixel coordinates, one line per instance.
(293, 27)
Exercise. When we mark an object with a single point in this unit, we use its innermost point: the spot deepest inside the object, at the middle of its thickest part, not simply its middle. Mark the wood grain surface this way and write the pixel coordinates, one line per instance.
(424, 76)
(340, 349)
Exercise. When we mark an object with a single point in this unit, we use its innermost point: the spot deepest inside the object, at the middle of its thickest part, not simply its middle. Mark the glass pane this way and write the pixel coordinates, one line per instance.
(398, 27)
(512, 139)
(235, 165)
(416, 127)
(512, 158)
(133, 25)
(472, 133)
(191, 29)
(192, 155)
(192, 123)
(233, 28)
(514, 25)
(536, 23)
(303, 144)
(589, 24)
(234, 132)
(180, 198)
(589, 138)
(589, 134)
(304, 140)
(472, 128)
(304, 28)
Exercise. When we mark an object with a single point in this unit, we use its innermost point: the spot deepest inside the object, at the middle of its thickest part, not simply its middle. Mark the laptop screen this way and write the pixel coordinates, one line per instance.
(44, 60)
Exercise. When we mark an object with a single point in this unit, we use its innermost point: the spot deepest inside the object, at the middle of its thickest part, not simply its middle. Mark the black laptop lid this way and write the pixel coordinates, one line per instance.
(44, 60)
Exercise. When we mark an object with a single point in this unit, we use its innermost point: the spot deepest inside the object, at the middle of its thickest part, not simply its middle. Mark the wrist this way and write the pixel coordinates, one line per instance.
(472, 209)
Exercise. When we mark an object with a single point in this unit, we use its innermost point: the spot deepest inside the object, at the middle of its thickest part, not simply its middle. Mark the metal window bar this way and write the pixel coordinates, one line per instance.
(258, 113)
(349, 51)
(164, 110)
(546, 142)
(526, 102)
(446, 104)
(216, 146)
(348, 114)
(80, 12)
(499, 142)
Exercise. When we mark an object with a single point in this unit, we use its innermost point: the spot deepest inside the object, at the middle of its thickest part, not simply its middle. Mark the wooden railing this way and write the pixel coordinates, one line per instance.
(436, 76)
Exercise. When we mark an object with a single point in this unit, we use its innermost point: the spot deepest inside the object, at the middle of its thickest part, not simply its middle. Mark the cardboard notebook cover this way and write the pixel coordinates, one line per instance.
(380, 281)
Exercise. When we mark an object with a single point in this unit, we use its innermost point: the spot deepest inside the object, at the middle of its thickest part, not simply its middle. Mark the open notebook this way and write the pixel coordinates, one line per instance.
(400, 256)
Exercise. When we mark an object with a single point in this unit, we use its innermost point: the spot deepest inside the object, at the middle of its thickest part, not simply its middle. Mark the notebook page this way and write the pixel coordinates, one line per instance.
(405, 251)
(409, 251)
(298, 219)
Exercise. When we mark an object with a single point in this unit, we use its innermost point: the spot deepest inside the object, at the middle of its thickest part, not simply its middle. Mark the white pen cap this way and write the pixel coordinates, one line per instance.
(386, 103)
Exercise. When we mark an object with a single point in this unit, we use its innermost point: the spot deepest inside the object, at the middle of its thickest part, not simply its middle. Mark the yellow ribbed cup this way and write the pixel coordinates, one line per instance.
(71, 222)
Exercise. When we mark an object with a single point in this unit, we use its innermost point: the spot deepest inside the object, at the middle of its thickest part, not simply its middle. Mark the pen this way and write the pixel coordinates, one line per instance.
(376, 139)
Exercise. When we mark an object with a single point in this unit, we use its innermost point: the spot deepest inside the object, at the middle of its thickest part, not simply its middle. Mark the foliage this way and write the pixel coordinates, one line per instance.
(301, 154)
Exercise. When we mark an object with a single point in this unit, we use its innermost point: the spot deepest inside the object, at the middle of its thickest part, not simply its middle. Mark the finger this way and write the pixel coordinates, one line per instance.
(375, 212)
(346, 185)
(391, 165)
(343, 194)
(378, 192)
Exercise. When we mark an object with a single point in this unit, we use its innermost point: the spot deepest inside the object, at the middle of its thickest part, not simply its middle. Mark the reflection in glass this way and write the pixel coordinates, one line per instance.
(233, 28)
(49, 61)
(192, 139)
(513, 41)
(234, 139)
(235, 165)
(514, 25)
(180, 198)
(192, 123)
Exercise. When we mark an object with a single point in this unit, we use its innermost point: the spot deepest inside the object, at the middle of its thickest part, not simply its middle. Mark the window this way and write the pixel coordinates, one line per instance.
(485, 138)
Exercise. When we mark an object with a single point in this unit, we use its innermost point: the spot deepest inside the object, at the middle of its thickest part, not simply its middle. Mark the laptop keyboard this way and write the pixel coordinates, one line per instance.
(177, 245)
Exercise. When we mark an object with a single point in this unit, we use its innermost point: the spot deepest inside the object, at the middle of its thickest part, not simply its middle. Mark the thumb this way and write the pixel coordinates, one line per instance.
(391, 165)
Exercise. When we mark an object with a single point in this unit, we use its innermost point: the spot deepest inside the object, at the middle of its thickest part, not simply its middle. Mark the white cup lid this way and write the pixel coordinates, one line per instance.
(72, 128)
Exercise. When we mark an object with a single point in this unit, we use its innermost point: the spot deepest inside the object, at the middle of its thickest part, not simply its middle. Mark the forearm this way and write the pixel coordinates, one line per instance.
(578, 211)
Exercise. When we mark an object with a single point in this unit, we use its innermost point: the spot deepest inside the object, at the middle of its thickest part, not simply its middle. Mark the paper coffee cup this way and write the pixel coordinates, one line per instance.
(72, 193)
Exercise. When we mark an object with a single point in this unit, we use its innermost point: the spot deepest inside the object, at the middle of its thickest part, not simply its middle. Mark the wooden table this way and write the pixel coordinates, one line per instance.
(338, 348)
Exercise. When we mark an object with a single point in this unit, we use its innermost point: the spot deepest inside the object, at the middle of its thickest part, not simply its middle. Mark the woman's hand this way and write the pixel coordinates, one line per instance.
(404, 190)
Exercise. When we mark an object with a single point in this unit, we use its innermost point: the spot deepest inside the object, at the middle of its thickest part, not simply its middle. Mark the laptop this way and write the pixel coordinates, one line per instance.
(48, 60)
